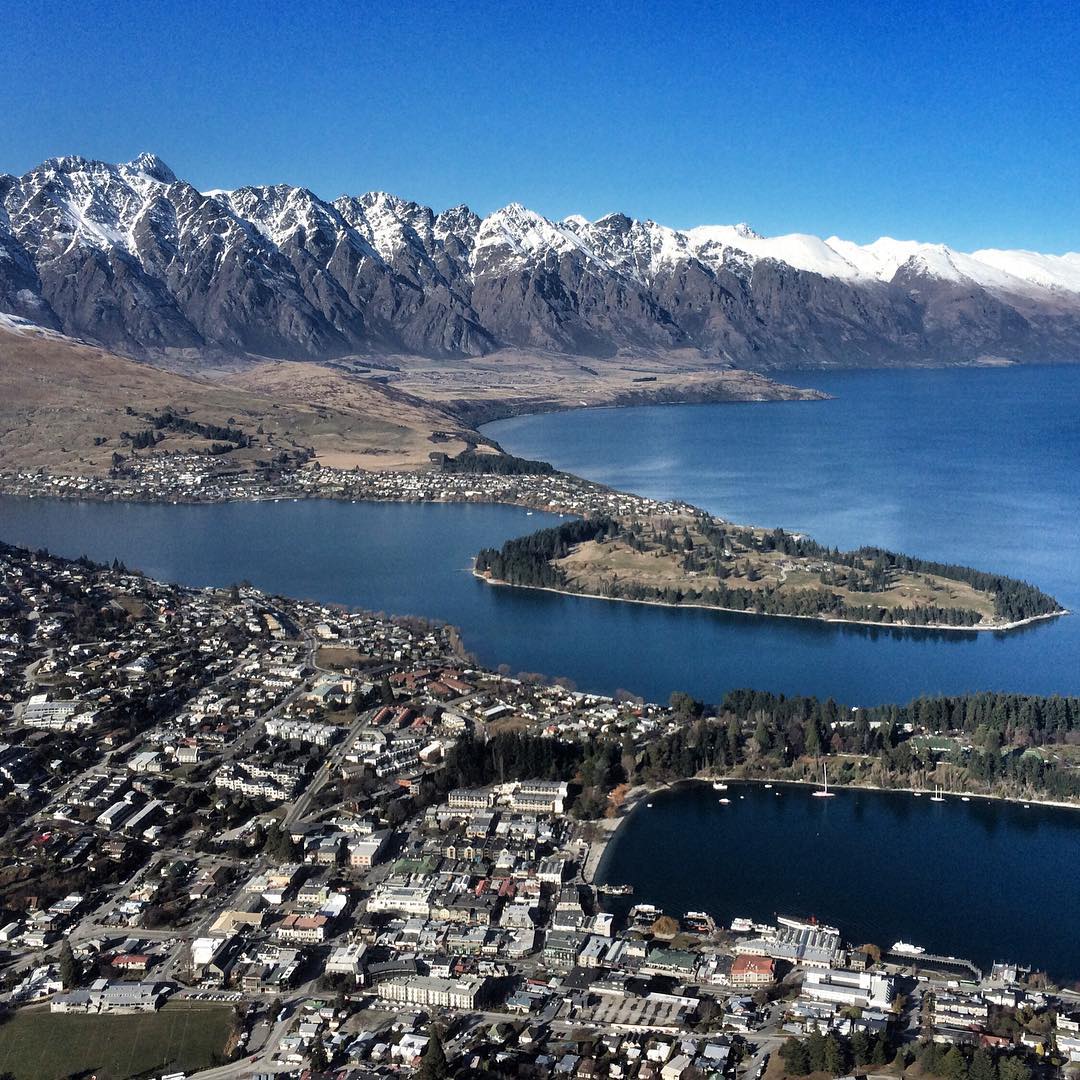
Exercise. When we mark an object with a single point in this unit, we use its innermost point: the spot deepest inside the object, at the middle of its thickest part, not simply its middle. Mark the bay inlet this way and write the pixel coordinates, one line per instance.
(984, 880)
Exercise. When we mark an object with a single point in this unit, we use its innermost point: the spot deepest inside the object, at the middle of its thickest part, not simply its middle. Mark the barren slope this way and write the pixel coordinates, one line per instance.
(64, 407)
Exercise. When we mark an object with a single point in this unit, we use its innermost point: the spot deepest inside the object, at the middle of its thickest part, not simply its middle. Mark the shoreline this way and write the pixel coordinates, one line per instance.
(954, 796)
(708, 394)
(933, 627)
(557, 493)
(533, 506)
(610, 827)
(306, 496)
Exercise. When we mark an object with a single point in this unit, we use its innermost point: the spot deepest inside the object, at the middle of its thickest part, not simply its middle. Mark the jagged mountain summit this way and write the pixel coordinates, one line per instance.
(133, 258)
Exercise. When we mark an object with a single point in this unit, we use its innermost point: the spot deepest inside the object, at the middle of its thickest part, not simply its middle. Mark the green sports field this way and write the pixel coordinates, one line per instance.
(38, 1045)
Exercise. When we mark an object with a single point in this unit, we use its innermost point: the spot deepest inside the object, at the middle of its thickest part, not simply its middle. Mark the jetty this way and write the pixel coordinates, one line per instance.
(944, 965)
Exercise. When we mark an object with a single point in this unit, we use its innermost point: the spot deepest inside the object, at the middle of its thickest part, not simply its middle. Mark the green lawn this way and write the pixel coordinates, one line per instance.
(36, 1044)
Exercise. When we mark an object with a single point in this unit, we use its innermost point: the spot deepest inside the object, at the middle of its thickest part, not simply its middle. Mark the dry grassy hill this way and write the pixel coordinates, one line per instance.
(64, 406)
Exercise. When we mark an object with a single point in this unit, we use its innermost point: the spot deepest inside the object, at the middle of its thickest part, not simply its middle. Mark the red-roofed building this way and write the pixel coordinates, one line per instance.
(131, 961)
(751, 970)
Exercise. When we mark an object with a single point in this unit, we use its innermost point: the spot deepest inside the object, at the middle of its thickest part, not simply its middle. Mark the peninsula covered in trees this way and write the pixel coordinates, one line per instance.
(992, 744)
(698, 560)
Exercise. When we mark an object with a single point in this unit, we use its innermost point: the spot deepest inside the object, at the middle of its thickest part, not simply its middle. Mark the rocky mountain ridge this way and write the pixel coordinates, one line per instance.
(141, 262)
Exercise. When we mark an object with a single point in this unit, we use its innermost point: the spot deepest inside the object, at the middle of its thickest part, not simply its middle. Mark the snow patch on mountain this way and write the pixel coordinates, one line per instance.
(520, 234)
(141, 260)
(799, 250)
(16, 324)
(1052, 272)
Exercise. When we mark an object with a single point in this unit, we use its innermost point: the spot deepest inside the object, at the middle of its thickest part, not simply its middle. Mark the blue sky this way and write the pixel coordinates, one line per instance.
(953, 122)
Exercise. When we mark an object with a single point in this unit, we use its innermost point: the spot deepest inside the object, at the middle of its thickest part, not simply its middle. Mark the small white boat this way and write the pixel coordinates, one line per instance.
(965, 798)
(719, 785)
(917, 794)
(725, 802)
(906, 949)
(742, 796)
(825, 793)
(767, 786)
(1027, 806)
(648, 805)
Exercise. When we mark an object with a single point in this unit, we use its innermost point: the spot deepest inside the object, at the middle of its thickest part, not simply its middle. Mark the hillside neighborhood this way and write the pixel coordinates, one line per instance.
(305, 819)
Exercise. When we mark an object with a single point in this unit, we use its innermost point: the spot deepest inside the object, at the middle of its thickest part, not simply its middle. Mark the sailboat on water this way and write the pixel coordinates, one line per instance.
(825, 793)
(937, 796)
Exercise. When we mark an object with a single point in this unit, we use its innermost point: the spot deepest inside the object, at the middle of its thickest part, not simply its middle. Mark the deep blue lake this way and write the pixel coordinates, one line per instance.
(400, 558)
(982, 880)
(979, 466)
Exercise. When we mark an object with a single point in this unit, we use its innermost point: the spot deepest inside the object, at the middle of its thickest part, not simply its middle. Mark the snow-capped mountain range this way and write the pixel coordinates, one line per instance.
(134, 258)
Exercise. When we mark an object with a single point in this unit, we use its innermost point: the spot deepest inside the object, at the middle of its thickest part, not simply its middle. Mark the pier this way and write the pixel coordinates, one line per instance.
(945, 965)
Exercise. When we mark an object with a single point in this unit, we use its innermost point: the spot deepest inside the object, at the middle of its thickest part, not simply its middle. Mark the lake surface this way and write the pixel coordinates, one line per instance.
(401, 558)
(983, 880)
(977, 466)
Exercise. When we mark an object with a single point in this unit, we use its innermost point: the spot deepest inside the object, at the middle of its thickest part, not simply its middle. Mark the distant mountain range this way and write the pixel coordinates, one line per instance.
(136, 260)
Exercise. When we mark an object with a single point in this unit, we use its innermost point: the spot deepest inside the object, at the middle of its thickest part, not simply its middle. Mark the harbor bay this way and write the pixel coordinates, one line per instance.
(984, 880)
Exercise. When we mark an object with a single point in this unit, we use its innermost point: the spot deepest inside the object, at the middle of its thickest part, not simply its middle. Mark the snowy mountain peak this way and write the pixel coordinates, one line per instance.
(152, 166)
(459, 219)
(68, 163)
(132, 257)
(520, 233)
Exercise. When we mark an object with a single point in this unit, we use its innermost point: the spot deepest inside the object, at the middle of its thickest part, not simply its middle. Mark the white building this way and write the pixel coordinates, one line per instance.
(408, 900)
(428, 991)
(365, 853)
(539, 796)
(857, 989)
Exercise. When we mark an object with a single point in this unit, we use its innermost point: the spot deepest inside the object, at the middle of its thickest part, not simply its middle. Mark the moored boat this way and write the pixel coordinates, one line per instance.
(824, 793)
(907, 949)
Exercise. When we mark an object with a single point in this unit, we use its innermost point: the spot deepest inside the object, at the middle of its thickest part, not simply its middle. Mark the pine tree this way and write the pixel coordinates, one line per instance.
(762, 736)
(982, 1066)
(881, 1050)
(1014, 1069)
(833, 1056)
(434, 1065)
(953, 1065)
(69, 971)
(796, 1057)
(317, 1057)
(860, 1047)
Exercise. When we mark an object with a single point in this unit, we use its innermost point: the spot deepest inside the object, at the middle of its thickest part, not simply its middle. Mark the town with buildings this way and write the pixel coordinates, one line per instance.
(203, 478)
(218, 803)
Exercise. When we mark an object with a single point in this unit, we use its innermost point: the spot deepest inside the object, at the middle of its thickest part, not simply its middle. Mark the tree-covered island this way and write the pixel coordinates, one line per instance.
(698, 560)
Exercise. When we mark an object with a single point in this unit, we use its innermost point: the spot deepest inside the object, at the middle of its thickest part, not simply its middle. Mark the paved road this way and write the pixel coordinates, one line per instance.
(300, 806)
